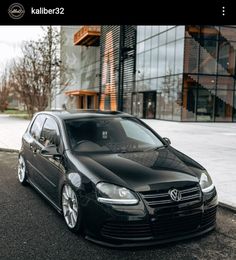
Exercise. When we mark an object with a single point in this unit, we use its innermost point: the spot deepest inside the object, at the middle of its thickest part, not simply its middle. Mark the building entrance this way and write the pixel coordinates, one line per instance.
(149, 105)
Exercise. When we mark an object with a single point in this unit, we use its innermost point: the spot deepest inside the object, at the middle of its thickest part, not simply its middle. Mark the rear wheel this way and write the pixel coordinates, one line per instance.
(71, 208)
(22, 177)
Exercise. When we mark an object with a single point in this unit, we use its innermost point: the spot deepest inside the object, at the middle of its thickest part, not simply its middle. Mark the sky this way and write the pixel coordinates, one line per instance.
(11, 38)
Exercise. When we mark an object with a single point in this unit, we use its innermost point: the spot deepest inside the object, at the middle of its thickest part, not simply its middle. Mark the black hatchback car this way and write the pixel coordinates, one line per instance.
(114, 178)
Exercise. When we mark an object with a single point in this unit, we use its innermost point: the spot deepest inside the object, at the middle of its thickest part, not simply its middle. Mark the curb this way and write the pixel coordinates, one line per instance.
(228, 207)
(9, 150)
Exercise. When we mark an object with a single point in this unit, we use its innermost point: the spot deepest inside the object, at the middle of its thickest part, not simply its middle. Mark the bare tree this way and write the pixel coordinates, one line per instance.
(35, 75)
(4, 91)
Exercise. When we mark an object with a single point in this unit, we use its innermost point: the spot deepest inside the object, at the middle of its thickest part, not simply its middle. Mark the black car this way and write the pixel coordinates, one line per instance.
(116, 179)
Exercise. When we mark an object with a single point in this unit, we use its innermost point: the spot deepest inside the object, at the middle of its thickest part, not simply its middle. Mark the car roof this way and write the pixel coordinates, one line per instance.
(79, 113)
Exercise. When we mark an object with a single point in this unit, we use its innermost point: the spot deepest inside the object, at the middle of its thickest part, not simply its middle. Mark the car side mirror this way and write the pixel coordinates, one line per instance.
(56, 140)
(50, 151)
(167, 140)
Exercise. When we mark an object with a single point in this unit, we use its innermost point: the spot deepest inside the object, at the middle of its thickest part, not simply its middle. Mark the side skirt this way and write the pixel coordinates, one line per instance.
(45, 196)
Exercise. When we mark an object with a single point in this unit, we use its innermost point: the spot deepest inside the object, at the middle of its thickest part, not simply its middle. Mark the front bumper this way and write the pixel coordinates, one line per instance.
(149, 242)
(140, 225)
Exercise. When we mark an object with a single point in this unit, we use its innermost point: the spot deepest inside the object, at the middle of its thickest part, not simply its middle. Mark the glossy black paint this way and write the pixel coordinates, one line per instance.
(140, 172)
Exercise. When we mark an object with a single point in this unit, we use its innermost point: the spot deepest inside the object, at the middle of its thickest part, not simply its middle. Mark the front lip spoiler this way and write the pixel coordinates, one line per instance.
(150, 242)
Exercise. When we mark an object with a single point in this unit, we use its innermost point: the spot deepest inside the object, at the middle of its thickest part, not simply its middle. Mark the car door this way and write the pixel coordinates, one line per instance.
(49, 167)
(30, 140)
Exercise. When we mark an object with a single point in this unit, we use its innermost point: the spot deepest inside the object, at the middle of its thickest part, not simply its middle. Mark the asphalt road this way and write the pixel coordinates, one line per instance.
(31, 229)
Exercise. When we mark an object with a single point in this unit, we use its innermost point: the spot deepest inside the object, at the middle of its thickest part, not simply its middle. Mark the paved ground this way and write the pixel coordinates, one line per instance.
(211, 144)
(11, 131)
(31, 229)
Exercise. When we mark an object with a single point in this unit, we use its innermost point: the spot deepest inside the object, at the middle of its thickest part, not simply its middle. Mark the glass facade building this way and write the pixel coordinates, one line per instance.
(185, 73)
(159, 72)
(209, 73)
(179, 73)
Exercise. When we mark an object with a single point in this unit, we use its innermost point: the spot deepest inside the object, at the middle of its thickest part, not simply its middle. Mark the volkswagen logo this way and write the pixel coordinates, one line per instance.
(16, 11)
(175, 195)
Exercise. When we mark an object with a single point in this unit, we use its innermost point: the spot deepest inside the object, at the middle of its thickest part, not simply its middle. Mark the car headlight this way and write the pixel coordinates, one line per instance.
(206, 182)
(113, 194)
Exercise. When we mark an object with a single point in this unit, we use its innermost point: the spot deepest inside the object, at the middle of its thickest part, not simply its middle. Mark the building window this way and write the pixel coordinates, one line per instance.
(179, 56)
(154, 60)
(226, 61)
(177, 97)
(209, 33)
(147, 65)
(207, 82)
(167, 97)
(171, 35)
(153, 84)
(223, 105)
(205, 102)
(162, 28)
(180, 32)
(191, 54)
(206, 97)
(162, 38)
(140, 47)
(189, 98)
(155, 41)
(227, 33)
(155, 30)
(147, 45)
(170, 58)
(208, 56)
(141, 33)
(192, 32)
(224, 99)
(148, 32)
(162, 61)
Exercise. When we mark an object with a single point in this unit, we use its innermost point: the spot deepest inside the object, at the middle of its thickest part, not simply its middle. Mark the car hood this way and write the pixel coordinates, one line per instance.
(143, 171)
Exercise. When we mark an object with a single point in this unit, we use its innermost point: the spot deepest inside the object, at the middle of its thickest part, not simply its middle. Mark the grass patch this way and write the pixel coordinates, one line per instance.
(16, 113)
(21, 116)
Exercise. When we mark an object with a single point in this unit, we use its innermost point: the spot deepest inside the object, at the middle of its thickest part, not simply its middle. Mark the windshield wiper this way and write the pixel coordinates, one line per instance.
(155, 148)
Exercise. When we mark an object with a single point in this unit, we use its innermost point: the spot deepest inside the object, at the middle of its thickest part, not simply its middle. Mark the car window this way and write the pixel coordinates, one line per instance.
(110, 135)
(49, 132)
(138, 132)
(36, 127)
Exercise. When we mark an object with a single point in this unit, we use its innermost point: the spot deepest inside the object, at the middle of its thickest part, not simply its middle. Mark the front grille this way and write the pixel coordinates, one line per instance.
(171, 225)
(165, 226)
(162, 197)
(126, 230)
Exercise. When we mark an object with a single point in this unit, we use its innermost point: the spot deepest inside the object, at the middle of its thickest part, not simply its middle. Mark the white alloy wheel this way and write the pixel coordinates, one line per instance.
(21, 170)
(70, 206)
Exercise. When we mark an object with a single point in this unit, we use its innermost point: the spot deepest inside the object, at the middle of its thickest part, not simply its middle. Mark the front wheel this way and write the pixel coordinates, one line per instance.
(22, 177)
(71, 208)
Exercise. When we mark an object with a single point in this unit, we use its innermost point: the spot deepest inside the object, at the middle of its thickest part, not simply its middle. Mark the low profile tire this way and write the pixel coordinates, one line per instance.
(71, 208)
(22, 175)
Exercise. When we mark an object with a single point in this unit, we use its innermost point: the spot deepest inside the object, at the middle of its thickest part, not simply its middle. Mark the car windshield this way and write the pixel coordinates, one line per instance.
(114, 135)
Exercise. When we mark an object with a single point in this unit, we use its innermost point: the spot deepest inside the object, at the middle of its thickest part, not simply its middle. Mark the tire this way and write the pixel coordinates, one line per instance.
(22, 173)
(71, 209)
